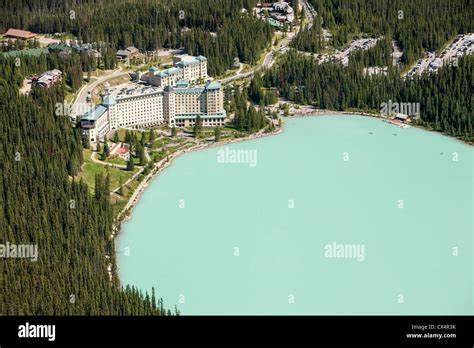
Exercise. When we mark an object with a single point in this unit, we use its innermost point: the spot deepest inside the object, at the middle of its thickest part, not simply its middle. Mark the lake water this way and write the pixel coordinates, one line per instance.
(336, 215)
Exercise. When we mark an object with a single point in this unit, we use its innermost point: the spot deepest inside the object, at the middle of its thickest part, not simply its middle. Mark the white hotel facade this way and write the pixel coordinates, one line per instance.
(159, 100)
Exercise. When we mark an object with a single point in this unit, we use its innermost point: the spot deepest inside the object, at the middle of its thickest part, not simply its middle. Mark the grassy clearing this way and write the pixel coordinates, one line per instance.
(116, 160)
(90, 169)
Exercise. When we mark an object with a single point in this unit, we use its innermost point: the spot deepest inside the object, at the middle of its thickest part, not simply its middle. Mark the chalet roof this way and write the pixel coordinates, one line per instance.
(123, 53)
(22, 34)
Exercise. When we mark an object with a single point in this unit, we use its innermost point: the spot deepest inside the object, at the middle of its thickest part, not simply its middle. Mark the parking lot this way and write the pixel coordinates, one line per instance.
(463, 44)
(342, 57)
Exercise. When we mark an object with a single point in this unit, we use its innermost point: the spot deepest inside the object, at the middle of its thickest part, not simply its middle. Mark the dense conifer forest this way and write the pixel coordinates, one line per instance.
(42, 203)
(445, 98)
(216, 29)
(73, 67)
(247, 118)
(309, 40)
(417, 26)
(379, 55)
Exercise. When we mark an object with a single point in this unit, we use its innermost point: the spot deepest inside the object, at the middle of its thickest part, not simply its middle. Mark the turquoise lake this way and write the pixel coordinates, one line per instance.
(393, 207)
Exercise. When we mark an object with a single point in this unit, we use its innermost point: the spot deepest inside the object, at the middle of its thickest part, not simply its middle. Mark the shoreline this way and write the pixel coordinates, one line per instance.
(322, 112)
(126, 213)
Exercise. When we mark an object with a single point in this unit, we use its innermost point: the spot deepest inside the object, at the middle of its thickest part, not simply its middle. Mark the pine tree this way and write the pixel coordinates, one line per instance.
(128, 137)
(217, 134)
(86, 142)
(174, 131)
(151, 136)
(120, 190)
(130, 163)
(105, 152)
(197, 126)
(142, 156)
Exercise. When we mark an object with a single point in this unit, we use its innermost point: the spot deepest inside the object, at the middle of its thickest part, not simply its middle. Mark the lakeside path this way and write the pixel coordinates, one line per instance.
(308, 111)
(125, 214)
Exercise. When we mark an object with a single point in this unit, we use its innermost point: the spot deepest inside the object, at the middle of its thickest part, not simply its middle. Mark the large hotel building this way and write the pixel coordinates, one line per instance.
(161, 97)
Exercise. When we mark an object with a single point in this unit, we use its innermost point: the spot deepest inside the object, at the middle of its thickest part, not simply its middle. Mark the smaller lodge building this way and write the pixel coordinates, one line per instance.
(19, 34)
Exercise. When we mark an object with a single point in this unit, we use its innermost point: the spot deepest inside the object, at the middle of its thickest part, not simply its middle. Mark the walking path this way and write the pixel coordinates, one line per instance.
(94, 159)
(164, 163)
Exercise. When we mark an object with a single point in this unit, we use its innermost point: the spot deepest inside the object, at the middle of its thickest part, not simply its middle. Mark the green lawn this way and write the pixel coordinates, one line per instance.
(117, 160)
(158, 144)
(90, 169)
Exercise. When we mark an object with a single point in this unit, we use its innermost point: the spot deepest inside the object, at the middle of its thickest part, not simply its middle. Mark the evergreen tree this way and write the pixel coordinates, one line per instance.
(57, 212)
(141, 155)
(86, 142)
(128, 137)
(197, 126)
(120, 190)
(174, 131)
(130, 163)
(151, 136)
(217, 134)
(444, 97)
(105, 151)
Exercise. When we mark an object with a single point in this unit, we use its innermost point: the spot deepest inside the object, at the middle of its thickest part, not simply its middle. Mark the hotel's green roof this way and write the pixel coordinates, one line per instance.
(182, 82)
(213, 85)
(109, 100)
(94, 114)
(168, 72)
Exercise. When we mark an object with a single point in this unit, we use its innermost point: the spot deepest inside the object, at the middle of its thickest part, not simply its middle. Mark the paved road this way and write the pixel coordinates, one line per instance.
(396, 54)
(94, 159)
(81, 105)
(269, 58)
(268, 61)
(308, 9)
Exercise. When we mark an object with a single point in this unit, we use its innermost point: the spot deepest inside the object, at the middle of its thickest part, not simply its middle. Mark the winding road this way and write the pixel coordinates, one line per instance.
(81, 105)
